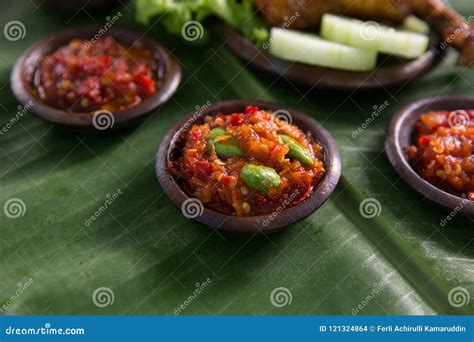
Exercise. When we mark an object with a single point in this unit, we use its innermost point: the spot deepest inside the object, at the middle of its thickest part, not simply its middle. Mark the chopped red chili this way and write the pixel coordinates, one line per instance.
(84, 76)
(249, 163)
(443, 153)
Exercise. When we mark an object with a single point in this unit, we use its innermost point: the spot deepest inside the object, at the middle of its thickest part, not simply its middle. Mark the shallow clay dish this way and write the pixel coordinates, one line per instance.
(384, 75)
(168, 78)
(400, 134)
(170, 149)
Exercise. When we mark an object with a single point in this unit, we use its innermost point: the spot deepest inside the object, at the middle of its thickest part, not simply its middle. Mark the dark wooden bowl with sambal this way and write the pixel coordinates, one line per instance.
(95, 80)
(248, 166)
(430, 143)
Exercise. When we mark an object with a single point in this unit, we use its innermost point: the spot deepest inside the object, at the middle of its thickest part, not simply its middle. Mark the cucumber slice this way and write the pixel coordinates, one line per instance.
(415, 24)
(373, 36)
(307, 48)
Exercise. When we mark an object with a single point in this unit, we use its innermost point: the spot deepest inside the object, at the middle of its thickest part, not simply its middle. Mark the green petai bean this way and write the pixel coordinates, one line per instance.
(227, 148)
(259, 177)
(296, 150)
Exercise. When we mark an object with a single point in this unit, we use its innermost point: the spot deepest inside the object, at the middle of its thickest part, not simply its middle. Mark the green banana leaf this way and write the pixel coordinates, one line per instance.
(142, 256)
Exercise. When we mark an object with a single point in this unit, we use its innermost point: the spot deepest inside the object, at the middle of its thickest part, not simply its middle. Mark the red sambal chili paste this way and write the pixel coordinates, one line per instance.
(443, 153)
(84, 76)
(249, 163)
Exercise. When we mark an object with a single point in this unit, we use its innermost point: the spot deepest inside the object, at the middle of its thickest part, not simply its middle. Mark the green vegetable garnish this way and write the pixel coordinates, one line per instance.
(175, 14)
(226, 148)
(296, 150)
(259, 177)
(304, 47)
(371, 36)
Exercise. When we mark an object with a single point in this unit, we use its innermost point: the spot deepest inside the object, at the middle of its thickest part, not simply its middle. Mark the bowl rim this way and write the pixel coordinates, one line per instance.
(251, 224)
(23, 89)
(397, 157)
(328, 78)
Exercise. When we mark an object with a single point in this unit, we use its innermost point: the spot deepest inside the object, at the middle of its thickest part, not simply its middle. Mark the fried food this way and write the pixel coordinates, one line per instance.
(456, 31)
(310, 12)
(305, 14)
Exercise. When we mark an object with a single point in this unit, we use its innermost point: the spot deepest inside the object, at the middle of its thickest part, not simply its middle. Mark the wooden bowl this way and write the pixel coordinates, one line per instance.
(169, 149)
(326, 78)
(168, 77)
(400, 134)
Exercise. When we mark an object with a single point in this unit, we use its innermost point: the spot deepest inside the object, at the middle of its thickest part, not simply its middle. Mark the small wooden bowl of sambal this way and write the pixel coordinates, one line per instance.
(430, 143)
(92, 80)
(248, 166)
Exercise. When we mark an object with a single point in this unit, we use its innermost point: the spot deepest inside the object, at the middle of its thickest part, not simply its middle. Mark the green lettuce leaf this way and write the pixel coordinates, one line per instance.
(174, 14)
